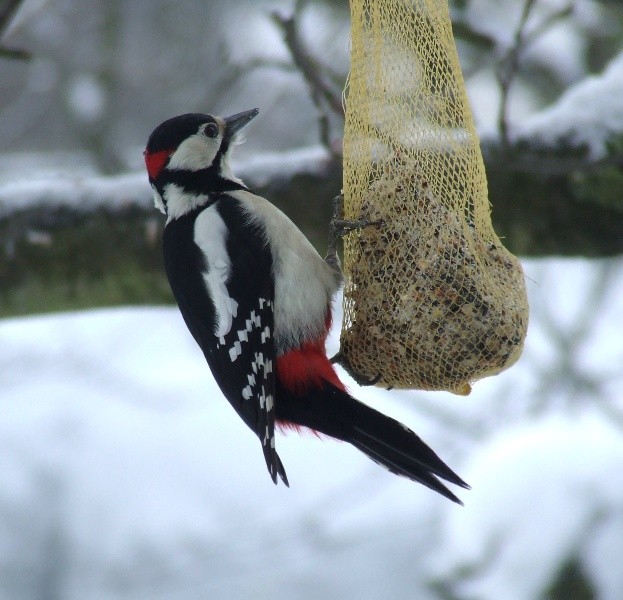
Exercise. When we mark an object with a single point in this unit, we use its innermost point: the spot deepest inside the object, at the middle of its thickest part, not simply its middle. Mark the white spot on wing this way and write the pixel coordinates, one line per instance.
(299, 310)
(261, 365)
(211, 236)
(235, 351)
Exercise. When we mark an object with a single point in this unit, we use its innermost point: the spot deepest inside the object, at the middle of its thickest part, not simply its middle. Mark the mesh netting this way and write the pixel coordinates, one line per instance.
(432, 299)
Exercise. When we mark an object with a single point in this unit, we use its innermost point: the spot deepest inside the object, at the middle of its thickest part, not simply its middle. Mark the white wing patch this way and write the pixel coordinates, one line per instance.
(211, 236)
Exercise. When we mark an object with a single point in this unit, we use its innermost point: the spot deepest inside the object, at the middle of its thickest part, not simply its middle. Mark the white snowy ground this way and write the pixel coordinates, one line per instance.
(125, 475)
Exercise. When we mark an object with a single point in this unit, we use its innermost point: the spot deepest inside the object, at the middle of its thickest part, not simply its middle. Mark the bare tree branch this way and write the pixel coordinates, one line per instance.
(508, 67)
(548, 22)
(322, 92)
(507, 71)
(7, 12)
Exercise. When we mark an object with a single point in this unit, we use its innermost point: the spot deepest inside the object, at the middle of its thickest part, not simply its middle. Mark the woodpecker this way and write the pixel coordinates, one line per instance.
(256, 296)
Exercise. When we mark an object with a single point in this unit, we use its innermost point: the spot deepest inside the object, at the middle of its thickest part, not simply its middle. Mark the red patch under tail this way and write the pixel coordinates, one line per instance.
(305, 368)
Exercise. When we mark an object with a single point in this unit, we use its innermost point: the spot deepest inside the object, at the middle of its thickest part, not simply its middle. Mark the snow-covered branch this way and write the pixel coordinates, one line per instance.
(78, 194)
(86, 194)
(588, 115)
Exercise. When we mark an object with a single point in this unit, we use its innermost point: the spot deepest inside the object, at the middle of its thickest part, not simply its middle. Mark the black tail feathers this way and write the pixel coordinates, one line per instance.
(404, 453)
(387, 442)
(274, 465)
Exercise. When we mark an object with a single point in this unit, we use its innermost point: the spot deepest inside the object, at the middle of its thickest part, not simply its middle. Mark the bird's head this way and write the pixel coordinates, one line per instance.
(188, 156)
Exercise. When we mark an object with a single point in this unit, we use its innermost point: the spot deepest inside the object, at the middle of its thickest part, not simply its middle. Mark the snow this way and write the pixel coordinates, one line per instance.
(82, 190)
(23, 166)
(560, 47)
(543, 487)
(125, 474)
(499, 19)
(588, 113)
(82, 193)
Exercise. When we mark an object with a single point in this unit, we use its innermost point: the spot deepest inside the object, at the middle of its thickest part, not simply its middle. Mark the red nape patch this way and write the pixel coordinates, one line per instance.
(155, 162)
(306, 367)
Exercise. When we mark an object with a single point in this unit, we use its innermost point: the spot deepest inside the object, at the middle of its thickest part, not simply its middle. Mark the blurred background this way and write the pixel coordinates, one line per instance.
(123, 473)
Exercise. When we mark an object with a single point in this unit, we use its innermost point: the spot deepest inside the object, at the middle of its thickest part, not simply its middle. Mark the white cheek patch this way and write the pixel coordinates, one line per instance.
(179, 202)
(158, 202)
(211, 236)
(194, 153)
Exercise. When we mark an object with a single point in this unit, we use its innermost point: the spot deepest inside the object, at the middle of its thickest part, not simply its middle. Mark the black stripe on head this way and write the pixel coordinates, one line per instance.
(172, 132)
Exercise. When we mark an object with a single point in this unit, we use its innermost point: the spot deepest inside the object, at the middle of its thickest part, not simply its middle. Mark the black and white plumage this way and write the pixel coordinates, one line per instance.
(256, 297)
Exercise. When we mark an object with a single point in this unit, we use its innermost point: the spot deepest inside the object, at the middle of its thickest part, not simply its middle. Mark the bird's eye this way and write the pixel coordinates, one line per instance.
(211, 130)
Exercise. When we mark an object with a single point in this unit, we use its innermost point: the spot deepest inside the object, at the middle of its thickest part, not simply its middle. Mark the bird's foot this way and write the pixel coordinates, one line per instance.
(340, 226)
(341, 360)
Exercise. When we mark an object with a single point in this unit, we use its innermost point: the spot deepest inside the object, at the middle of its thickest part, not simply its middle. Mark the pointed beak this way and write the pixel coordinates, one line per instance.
(236, 122)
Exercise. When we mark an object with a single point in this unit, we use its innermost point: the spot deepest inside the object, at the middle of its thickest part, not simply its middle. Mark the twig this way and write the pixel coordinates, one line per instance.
(7, 12)
(509, 65)
(15, 53)
(507, 71)
(548, 22)
(307, 65)
(322, 92)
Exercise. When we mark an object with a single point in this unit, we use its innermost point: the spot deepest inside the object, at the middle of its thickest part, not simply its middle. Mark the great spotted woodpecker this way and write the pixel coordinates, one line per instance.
(256, 296)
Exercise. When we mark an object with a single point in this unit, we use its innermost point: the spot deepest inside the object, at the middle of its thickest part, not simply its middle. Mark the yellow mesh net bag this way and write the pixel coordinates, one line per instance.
(432, 299)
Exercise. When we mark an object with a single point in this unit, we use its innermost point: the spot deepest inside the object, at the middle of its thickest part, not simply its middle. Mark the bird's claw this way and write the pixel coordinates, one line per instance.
(339, 227)
(360, 380)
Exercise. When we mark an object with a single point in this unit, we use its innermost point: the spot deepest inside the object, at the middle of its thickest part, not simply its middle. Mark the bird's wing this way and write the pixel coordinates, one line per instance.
(243, 362)
(231, 280)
